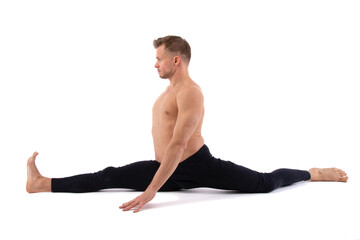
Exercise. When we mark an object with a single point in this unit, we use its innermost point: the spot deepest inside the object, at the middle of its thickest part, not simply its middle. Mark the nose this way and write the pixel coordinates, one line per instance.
(156, 65)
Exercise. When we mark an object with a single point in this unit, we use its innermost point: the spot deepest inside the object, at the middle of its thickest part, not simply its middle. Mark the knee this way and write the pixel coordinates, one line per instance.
(106, 174)
(106, 171)
(267, 184)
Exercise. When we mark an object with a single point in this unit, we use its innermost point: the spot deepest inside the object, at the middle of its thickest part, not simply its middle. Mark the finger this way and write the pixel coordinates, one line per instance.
(127, 203)
(124, 205)
(139, 207)
(132, 205)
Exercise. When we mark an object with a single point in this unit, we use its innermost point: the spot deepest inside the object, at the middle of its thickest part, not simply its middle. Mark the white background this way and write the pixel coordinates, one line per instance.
(281, 85)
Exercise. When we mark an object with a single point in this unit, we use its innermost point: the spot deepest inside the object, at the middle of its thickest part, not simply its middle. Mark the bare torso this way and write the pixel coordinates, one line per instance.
(165, 113)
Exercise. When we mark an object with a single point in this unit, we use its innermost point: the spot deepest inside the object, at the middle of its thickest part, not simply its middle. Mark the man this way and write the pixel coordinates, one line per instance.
(182, 159)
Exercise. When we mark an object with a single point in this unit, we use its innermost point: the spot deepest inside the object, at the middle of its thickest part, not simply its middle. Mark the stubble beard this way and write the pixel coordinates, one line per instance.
(166, 75)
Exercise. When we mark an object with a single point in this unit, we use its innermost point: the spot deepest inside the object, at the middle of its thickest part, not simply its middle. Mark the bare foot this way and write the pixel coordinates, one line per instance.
(35, 181)
(328, 174)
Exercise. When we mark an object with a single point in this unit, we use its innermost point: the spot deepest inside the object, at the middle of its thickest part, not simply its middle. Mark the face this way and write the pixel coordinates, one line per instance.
(164, 63)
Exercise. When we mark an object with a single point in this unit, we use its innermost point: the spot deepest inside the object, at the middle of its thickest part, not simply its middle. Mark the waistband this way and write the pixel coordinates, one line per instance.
(201, 153)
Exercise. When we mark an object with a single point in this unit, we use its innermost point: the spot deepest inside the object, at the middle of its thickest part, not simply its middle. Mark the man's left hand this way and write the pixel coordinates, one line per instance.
(139, 201)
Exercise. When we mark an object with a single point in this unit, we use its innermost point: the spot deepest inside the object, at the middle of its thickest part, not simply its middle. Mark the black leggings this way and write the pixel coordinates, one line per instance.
(199, 170)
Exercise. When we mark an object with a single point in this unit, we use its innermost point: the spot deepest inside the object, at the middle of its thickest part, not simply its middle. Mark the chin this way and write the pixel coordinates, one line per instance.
(163, 76)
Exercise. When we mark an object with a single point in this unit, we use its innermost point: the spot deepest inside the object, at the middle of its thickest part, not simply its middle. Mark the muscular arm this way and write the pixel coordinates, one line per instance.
(190, 105)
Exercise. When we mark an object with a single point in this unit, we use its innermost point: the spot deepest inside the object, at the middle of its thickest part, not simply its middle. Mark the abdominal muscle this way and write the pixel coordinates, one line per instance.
(193, 145)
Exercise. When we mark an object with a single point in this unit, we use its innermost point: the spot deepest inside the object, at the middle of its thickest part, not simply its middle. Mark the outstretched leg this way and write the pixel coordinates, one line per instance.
(35, 181)
(328, 174)
(216, 173)
(136, 176)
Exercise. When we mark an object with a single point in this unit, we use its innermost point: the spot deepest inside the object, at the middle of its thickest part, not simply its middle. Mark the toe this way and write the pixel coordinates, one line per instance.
(344, 178)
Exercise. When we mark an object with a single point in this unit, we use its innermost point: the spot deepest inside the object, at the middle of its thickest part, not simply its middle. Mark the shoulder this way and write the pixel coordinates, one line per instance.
(190, 94)
(189, 91)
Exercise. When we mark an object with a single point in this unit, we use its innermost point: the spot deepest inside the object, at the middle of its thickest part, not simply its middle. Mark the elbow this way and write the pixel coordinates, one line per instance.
(179, 145)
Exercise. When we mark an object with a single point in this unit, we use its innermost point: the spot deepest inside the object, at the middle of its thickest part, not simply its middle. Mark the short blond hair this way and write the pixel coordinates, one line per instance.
(175, 44)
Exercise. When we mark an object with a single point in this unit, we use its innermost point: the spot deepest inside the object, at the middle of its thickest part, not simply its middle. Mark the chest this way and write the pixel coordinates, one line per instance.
(165, 107)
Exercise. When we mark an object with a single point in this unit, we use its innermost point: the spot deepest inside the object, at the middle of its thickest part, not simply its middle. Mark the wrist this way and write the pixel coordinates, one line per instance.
(151, 189)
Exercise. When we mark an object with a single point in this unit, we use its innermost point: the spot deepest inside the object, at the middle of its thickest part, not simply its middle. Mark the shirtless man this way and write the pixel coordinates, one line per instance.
(182, 159)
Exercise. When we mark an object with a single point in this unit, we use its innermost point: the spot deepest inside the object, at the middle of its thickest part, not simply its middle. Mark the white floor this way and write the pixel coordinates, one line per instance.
(303, 211)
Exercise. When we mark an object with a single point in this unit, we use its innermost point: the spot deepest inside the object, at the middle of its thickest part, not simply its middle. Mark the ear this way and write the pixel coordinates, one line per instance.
(177, 60)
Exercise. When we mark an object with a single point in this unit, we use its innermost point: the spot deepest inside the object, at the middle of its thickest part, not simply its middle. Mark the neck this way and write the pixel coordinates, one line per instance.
(179, 78)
